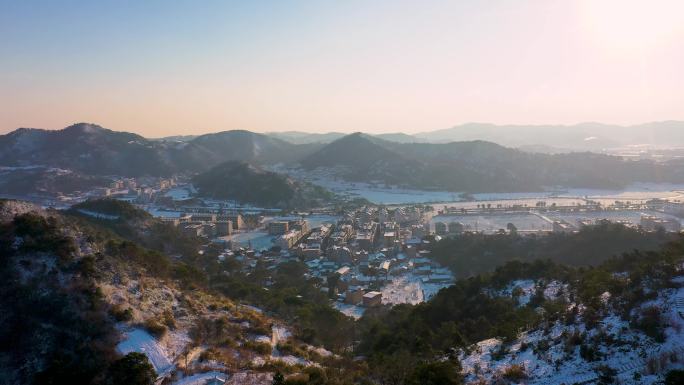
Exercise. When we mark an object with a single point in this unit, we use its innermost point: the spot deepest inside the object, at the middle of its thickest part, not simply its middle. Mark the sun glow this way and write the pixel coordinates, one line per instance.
(632, 24)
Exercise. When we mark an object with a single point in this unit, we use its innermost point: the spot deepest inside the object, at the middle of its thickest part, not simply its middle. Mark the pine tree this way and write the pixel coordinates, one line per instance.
(278, 379)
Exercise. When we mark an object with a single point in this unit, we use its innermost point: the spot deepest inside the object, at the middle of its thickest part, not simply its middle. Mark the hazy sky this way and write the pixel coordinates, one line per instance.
(183, 67)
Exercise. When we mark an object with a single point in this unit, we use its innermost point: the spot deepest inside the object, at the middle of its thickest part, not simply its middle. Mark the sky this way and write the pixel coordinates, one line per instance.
(181, 67)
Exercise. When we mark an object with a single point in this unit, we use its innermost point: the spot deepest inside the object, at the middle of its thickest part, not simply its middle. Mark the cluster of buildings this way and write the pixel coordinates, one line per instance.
(356, 257)
(654, 223)
(646, 223)
(207, 225)
(289, 232)
(451, 228)
(138, 190)
(367, 249)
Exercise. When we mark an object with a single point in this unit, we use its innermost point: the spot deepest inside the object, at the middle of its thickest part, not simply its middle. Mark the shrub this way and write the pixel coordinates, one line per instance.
(120, 314)
(435, 373)
(606, 374)
(209, 354)
(155, 328)
(297, 379)
(168, 319)
(514, 373)
(259, 347)
(278, 379)
(133, 369)
(674, 377)
(651, 323)
(588, 353)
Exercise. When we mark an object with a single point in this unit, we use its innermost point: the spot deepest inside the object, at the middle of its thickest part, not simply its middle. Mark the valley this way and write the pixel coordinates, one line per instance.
(297, 264)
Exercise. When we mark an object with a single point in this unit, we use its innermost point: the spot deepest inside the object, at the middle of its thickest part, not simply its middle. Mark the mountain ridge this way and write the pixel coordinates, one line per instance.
(464, 166)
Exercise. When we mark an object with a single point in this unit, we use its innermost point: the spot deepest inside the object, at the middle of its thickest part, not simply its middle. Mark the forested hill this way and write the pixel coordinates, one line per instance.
(250, 184)
(479, 166)
(540, 322)
(91, 149)
(471, 254)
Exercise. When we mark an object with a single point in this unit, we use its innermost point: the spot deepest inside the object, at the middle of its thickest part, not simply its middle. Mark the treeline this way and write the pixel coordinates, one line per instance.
(470, 254)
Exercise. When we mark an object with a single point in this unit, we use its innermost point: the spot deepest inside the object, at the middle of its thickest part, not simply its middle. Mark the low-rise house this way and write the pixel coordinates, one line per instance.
(354, 295)
(653, 223)
(372, 299)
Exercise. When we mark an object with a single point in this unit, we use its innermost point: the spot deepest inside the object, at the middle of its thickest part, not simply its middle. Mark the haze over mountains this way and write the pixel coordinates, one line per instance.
(472, 165)
(590, 136)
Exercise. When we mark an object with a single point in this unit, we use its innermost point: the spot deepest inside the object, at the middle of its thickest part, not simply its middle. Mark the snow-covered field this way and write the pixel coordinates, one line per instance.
(138, 340)
(392, 195)
(353, 311)
(533, 221)
(409, 289)
(491, 223)
(201, 378)
(98, 215)
(259, 240)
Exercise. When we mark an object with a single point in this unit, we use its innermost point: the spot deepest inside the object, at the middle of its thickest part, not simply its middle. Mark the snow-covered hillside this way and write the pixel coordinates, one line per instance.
(571, 352)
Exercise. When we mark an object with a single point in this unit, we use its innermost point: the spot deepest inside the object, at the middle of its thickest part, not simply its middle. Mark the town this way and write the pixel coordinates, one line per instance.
(372, 254)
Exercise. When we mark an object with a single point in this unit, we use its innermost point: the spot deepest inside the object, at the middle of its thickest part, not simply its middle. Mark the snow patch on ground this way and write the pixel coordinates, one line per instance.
(558, 363)
(527, 288)
(97, 215)
(353, 311)
(200, 379)
(138, 340)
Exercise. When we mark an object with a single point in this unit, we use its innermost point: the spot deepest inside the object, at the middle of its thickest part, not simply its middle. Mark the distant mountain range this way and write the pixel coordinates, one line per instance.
(299, 137)
(479, 166)
(474, 165)
(538, 138)
(92, 149)
(584, 136)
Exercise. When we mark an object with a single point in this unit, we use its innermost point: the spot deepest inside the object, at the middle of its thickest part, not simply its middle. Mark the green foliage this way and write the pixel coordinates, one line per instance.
(212, 331)
(132, 369)
(457, 316)
(317, 376)
(249, 184)
(134, 225)
(291, 297)
(39, 311)
(435, 373)
(606, 374)
(42, 234)
(278, 379)
(260, 347)
(124, 211)
(470, 254)
(651, 323)
(153, 261)
(121, 314)
(674, 377)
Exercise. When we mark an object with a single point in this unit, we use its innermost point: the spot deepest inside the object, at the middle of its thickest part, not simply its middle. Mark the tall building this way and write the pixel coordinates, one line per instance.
(440, 228)
(278, 227)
